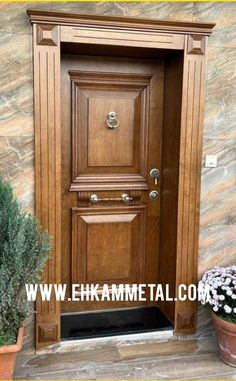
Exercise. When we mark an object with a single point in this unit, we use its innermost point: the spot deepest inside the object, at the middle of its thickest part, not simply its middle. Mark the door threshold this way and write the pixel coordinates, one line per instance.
(111, 328)
(78, 345)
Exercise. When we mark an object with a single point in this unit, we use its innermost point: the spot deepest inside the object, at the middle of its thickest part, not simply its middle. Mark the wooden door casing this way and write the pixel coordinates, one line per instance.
(55, 30)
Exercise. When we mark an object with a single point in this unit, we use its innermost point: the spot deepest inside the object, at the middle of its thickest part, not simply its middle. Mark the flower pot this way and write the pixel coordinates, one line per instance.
(8, 357)
(226, 337)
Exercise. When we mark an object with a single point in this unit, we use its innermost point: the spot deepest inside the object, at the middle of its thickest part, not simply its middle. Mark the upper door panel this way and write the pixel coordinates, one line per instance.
(110, 115)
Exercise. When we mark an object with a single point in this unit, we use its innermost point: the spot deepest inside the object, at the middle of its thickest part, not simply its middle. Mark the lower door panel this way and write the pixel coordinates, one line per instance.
(108, 245)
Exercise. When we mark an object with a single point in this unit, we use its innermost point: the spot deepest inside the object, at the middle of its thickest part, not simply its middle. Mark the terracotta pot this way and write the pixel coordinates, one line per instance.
(8, 357)
(226, 337)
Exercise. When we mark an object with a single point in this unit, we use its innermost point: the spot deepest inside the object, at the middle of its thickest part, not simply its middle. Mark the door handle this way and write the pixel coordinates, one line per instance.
(124, 197)
(154, 173)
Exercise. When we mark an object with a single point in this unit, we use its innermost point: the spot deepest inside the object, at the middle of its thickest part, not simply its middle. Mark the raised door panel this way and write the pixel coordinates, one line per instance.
(109, 152)
(108, 245)
(103, 142)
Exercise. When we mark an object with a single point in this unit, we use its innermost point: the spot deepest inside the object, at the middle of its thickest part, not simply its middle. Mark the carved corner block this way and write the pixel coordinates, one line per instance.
(47, 333)
(185, 320)
(196, 44)
(47, 35)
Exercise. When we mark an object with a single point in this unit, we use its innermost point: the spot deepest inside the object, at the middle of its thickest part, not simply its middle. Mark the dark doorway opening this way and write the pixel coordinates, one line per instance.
(114, 322)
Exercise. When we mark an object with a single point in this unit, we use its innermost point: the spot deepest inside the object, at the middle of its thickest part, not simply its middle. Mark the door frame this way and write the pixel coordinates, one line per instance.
(50, 30)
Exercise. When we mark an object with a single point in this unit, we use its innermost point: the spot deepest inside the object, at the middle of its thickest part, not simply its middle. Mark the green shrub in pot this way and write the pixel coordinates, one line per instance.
(24, 249)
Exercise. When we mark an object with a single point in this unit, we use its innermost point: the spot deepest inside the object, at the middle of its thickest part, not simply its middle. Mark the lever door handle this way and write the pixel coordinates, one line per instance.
(124, 197)
(154, 173)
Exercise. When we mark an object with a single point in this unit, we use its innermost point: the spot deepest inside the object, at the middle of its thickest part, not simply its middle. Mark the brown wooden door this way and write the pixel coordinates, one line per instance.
(110, 241)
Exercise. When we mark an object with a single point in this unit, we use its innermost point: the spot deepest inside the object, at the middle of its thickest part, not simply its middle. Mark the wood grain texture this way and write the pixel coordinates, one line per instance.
(48, 174)
(106, 158)
(132, 24)
(106, 36)
(126, 72)
(170, 178)
(189, 184)
(109, 244)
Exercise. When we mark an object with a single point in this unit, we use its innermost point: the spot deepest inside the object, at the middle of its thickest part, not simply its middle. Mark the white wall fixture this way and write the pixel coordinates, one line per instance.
(210, 161)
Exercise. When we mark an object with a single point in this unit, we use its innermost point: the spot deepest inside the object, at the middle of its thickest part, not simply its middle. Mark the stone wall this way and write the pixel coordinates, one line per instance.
(218, 201)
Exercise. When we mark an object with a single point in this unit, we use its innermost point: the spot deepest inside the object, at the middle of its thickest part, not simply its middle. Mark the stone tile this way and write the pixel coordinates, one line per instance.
(54, 361)
(205, 329)
(16, 99)
(155, 10)
(108, 342)
(17, 166)
(223, 376)
(121, 371)
(188, 367)
(157, 349)
(29, 336)
(15, 20)
(220, 109)
(174, 11)
(217, 246)
(48, 364)
(218, 185)
(224, 15)
(81, 374)
(65, 365)
(131, 361)
(74, 373)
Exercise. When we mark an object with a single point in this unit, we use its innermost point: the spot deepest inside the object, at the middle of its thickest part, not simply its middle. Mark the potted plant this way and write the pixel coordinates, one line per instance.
(24, 249)
(221, 283)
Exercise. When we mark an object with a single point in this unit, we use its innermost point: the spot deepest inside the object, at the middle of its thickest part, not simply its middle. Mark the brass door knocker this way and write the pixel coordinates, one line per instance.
(112, 121)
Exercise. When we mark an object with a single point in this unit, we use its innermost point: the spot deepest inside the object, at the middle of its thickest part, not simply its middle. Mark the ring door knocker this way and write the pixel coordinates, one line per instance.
(112, 121)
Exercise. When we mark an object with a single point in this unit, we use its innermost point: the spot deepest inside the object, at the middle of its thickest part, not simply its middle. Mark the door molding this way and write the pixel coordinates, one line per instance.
(50, 31)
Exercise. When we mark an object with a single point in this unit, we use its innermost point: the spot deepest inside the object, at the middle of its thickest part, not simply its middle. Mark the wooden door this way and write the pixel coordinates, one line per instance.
(110, 241)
